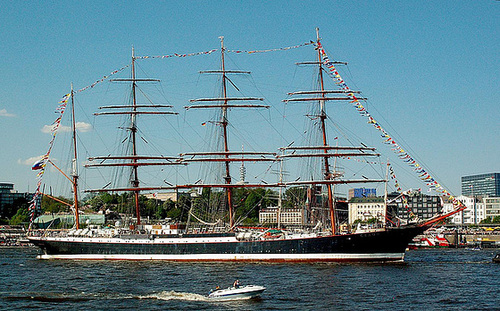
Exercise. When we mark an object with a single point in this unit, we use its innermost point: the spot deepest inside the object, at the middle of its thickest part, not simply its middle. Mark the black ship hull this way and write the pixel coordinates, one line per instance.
(387, 245)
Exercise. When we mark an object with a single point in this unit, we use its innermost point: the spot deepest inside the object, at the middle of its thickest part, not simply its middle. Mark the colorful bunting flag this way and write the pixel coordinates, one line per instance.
(40, 164)
(229, 51)
(271, 50)
(388, 139)
(100, 80)
(177, 55)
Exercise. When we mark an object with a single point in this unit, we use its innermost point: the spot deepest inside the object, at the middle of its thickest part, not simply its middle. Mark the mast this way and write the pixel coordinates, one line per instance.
(223, 123)
(280, 193)
(133, 129)
(134, 159)
(74, 172)
(322, 117)
(224, 103)
(324, 150)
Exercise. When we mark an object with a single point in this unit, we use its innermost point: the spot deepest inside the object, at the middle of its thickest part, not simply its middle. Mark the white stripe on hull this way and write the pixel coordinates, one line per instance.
(137, 241)
(338, 257)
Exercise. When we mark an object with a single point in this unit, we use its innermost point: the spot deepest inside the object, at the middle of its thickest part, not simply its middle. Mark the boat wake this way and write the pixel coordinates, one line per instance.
(54, 297)
(173, 295)
(84, 296)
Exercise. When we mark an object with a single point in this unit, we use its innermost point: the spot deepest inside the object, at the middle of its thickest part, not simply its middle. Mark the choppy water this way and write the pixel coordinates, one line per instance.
(429, 279)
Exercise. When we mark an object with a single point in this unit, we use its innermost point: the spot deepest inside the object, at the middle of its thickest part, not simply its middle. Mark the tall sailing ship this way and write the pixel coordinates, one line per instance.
(226, 240)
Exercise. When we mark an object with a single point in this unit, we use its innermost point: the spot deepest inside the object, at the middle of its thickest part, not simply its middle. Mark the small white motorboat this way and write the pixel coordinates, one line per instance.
(240, 292)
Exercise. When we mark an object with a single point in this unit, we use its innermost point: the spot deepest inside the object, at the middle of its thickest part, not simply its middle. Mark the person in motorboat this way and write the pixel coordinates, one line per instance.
(236, 284)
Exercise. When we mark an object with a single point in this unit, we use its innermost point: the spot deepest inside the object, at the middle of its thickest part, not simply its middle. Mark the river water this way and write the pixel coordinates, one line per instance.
(444, 279)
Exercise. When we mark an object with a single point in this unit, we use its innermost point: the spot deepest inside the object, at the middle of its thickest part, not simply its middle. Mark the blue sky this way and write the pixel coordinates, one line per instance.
(429, 69)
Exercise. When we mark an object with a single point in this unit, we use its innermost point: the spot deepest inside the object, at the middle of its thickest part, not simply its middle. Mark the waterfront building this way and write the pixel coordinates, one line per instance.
(288, 216)
(362, 193)
(8, 196)
(414, 205)
(162, 196)
(483, 185)
(366, 208)
(492, 206)
(473, 214)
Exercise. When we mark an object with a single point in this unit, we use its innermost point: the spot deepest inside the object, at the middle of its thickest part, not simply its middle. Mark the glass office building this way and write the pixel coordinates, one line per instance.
(484, 185)
(8, 196)
(362, 193)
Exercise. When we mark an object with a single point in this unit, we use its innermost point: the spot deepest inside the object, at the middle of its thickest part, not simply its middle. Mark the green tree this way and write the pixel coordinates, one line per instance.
(487, 220)
(250, 207)
(22, 212)
(161, 210)
(52, 206)
(255, 200)
(180, 212)
(121, 203)
(372, 220)
(22, 216)
(149, 207)
(295, 196)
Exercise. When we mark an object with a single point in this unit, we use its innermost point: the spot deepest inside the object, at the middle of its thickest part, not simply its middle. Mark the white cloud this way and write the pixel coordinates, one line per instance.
(80, 127)
(4, 113)
(83, 127)
(29, 161)
(47, 128)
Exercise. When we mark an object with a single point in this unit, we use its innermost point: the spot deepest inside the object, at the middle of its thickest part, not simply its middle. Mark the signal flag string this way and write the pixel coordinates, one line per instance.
(389, 140)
